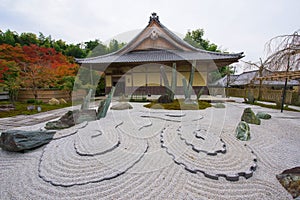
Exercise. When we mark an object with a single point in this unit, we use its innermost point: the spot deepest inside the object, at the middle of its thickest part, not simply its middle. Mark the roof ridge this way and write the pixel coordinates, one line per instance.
(180, 45)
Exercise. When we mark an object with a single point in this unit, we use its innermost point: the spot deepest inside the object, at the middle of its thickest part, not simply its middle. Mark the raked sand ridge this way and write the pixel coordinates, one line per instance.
(158, 154)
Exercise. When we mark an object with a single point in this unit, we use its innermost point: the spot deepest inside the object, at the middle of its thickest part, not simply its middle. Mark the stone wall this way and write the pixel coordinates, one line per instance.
(4, 96)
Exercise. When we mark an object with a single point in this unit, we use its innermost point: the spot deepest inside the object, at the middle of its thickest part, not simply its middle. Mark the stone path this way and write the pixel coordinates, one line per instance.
(29, 120)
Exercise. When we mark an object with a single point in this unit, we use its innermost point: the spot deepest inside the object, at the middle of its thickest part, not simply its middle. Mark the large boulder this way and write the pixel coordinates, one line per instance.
(164, 99)
(66, 121)
(242, 131)
(290, 180)
(71, 118)
(121, 106)
(263, 115)
(251, 98)
(53, 101)
(249, 117)
(19, 140)
(62, 101)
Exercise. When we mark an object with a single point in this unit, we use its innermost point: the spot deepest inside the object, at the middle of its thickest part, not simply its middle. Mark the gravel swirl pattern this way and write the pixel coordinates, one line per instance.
(162, 156)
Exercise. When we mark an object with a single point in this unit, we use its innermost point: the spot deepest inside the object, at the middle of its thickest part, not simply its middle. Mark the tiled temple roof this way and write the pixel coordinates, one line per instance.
(161, 55)
(139, 49)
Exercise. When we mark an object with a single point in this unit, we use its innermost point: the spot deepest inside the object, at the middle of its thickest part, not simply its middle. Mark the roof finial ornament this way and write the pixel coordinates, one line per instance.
(154, 17)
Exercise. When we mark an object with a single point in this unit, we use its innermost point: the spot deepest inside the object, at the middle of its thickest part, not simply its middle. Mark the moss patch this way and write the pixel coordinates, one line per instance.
(178, 104)
(21, 109)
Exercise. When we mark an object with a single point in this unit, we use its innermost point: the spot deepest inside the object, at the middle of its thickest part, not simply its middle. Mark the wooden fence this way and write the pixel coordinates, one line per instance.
(267, 94)
(46, 94)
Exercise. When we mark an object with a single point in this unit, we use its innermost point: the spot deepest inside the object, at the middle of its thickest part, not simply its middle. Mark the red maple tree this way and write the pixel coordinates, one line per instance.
(40, 67)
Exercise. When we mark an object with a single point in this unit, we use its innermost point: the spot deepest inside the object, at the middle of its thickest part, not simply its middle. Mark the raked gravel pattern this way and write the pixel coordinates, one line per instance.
(155, 154)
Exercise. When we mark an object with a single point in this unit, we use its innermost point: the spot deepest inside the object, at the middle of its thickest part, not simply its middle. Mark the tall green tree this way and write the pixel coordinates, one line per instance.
(114, 45)
(75, 51)
(195, 38)
(8, 37)
(60, 46)
(45, 41)
(92, 44)
(95, 48)
(28, 39)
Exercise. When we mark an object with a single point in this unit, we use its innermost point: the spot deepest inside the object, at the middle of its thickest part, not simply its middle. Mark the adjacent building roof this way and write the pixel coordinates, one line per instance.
(156, 43)
(247, 78)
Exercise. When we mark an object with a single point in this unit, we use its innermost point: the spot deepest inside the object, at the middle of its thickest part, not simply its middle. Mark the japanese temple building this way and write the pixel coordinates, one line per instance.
(136, 67)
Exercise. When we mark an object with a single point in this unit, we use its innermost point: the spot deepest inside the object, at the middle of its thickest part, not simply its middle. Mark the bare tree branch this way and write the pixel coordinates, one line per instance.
(281, 50)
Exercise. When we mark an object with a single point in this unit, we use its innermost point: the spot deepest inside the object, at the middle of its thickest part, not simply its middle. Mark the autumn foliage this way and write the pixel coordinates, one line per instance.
(38, 67)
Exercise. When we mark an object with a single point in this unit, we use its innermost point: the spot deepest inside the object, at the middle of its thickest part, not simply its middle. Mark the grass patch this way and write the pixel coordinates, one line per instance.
(274, 106)
(21, 108)
(178, 104)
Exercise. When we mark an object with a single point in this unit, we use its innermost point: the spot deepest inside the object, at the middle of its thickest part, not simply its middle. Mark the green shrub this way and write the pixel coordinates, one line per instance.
(295, 99)
(33, 101)
(178, 104)
(30, 101)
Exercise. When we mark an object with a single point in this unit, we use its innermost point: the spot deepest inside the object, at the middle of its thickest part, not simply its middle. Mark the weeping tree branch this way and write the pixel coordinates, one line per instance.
(283, 49)
(284, 53)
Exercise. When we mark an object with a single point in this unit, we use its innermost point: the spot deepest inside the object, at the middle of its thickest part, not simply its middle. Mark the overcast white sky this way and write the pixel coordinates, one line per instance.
(235, 25)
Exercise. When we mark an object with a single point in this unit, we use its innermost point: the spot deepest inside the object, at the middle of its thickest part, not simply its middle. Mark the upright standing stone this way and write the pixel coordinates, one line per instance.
(185, 88)
(191, 79)
(86, 101)
(201, 91)
(249, 117)
(242, 131)
(188, 88)
(53, 101)
(165, 80)
(170, 89)
(251, 98)
(103, 106)
(173, 81)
